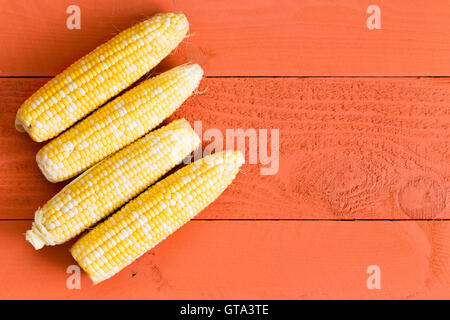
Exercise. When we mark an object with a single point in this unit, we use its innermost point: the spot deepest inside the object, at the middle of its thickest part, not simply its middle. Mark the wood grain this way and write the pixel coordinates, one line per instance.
(349, 148)
(249, 260)
(255, 37)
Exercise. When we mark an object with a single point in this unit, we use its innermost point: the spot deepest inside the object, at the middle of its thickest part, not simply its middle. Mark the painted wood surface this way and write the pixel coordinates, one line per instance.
(249, 260)
(349, 148)
(258, 37)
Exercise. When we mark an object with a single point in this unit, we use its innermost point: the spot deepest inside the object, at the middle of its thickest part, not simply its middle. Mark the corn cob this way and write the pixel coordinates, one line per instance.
(120, 122)
(154, 215)
(109, 184)
(100, 75)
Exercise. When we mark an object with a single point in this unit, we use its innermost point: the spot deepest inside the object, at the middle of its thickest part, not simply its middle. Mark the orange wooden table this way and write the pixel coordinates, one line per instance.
(362, 181)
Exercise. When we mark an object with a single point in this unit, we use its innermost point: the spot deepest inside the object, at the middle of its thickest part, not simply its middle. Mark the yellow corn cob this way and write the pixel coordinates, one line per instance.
(120, 122)
(154, 215)
(100, 75)
(108, 185)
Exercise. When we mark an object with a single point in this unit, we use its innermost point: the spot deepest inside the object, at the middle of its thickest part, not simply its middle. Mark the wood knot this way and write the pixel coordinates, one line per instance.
(422, 198)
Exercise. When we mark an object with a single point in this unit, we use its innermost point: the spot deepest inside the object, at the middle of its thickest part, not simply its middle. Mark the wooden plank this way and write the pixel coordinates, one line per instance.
(349, 148)
(263, 37)
(249, 260)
